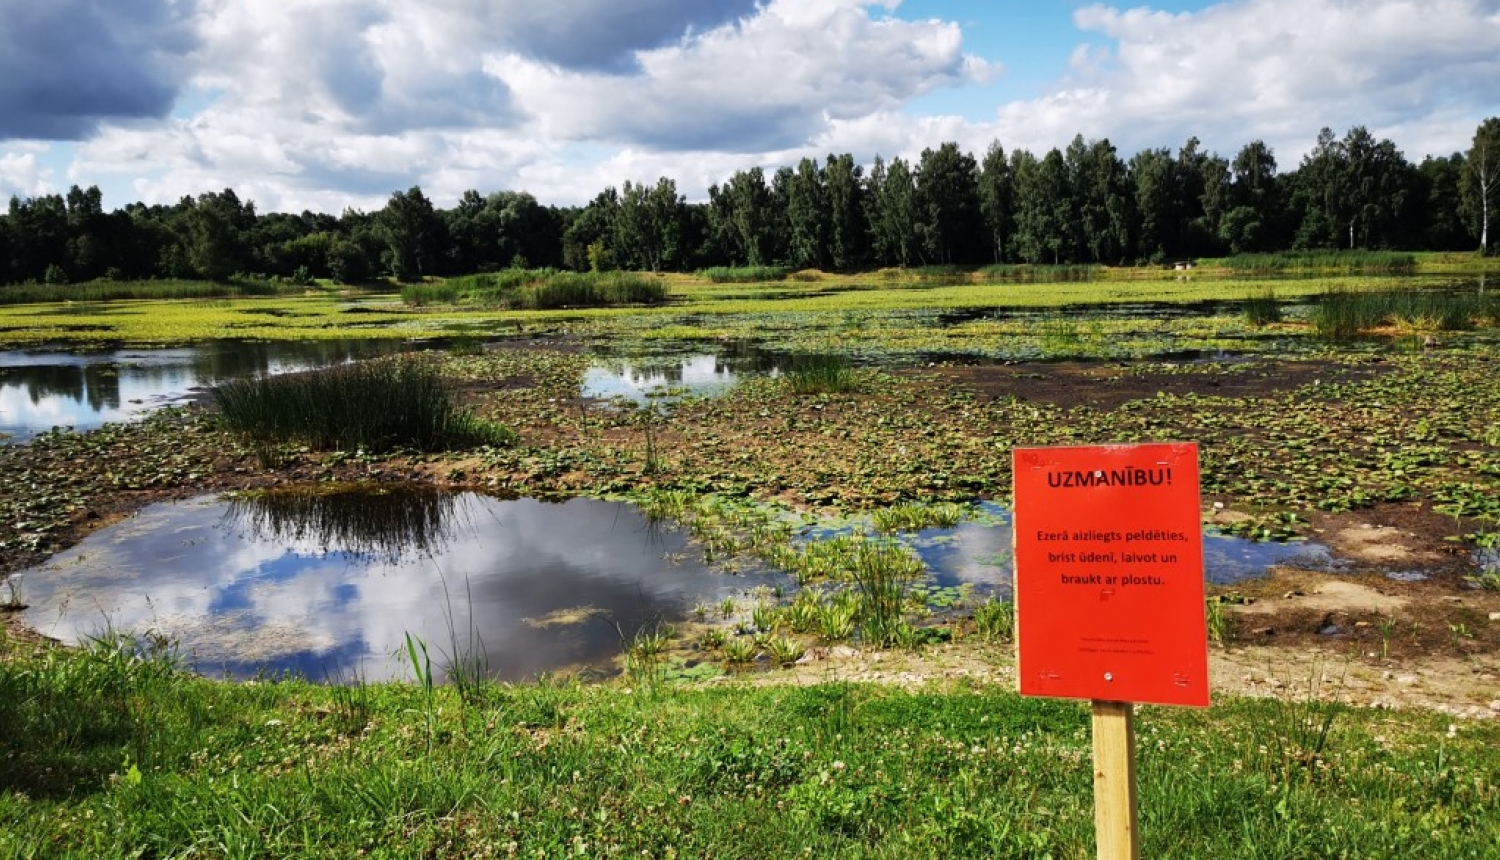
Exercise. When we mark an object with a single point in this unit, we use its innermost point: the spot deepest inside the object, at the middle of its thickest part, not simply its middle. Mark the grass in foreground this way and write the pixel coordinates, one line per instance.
(112, 751)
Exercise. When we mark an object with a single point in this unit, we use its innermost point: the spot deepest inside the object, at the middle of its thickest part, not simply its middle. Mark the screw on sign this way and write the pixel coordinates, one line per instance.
(1109, 598)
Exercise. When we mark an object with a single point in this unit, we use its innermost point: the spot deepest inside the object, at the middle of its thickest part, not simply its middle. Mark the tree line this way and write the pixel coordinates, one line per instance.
(1084, 203)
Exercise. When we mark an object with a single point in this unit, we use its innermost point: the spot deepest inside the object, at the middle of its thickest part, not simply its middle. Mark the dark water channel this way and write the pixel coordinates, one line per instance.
(328, 584)
(83, 389)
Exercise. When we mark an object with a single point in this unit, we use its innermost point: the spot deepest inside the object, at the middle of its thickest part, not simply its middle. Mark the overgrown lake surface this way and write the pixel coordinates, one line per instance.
(83, 388)
(326, 583)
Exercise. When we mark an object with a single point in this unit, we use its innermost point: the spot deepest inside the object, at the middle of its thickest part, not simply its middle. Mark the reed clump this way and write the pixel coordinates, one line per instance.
(540, 289)
(1343, 314)
(1263, 309)
(1334, 262)
(377, 405)
(820, 374)
(743, 274)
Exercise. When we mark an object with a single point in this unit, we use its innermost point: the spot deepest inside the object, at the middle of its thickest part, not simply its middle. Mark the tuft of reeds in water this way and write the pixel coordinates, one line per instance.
(1262, 309)
(1344, 314)
(881, 570)
(375, 406)
(913, 516)
(820, 374)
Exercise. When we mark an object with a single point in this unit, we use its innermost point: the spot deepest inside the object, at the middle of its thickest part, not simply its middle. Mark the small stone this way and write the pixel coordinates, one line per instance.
(1495, 616)
(1495, 706)
(1406, 680)
(1265, 631)
(1290, 594)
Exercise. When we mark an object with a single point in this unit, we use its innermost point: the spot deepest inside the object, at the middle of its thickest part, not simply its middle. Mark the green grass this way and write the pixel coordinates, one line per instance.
(1262, 309)
(1341, 315)
(110, 291)
(540, 289)
(1340, 262)
(820, 374)
(1040, 274)
(113, 752)
(377, 405)
(743, 274)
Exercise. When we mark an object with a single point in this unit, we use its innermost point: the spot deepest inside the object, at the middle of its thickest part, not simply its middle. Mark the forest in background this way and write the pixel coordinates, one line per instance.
(1081, 204)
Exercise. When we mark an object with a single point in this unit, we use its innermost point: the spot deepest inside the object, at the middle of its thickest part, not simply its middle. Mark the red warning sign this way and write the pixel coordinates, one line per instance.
(1109, 574)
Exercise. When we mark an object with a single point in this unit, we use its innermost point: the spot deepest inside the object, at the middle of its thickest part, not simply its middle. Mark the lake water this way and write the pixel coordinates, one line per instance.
(328, 584)
(45, 388)
(978, 551)
(691, 370)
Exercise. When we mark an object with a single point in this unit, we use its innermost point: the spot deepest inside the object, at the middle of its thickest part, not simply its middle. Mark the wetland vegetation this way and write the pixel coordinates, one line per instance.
(793, 516)
(117, 749)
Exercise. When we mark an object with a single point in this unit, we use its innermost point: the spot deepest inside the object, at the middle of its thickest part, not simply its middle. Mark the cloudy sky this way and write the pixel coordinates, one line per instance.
(326, 104)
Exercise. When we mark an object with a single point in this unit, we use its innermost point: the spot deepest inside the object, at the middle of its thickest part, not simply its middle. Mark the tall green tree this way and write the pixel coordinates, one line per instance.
(1441, 218)
(1045, 212)
(1101, 212)
(748, 212)
(213, 236)
(1154, 188)
(589, 241)
(997, 201)
(895, 213)
(848, 226)
(1251, 220)
(807, 215)
(948, 200)
(1482, 180)
(412, 232)
(649, 226)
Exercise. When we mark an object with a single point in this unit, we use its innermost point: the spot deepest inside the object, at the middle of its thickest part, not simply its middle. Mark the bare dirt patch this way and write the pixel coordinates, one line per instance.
(1107, 386)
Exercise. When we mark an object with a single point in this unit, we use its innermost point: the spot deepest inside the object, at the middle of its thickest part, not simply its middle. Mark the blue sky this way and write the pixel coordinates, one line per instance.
(328, 104)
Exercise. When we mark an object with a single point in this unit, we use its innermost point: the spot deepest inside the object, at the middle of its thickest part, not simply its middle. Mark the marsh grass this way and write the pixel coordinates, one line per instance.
(540, 289)
(1262, 309)
(743, 274)
(375, 405)
(1334, 262)
(1344, 314)
(914, 516)
(820, 374)
(1040, 274)
(110, 291)
(995, 620)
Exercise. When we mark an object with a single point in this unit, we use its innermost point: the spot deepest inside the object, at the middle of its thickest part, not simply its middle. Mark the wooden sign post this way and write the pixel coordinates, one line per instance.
(1109, 599)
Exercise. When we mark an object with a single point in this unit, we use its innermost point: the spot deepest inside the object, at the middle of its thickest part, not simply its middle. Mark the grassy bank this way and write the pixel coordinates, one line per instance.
(110, 752)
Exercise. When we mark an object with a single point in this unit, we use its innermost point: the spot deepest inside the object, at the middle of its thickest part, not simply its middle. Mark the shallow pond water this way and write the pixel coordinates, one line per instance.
(978, 552)
(83, 389)
(328, 584)
(672, 372)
